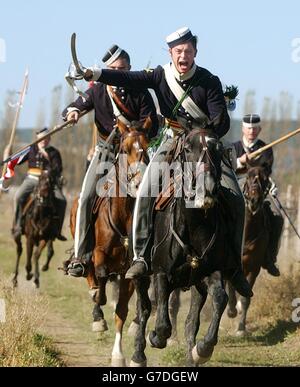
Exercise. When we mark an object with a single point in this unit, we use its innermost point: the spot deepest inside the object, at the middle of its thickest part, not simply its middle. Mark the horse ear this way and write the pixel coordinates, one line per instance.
(122, 127)
(148, 123)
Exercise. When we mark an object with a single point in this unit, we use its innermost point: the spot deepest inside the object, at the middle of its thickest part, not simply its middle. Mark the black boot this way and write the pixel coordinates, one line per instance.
(78, 267)
(138, 269)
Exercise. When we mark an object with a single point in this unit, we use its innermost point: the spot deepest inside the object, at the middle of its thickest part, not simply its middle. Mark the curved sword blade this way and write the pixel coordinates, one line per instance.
(74, 55)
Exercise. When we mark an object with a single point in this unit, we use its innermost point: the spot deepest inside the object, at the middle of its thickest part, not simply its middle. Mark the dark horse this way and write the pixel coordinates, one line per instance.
(40, 228)
(190, 248)
(112, 253)
(257, 234)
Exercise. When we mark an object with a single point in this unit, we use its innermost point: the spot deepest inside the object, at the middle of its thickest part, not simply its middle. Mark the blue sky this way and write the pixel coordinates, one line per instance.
(248, 43)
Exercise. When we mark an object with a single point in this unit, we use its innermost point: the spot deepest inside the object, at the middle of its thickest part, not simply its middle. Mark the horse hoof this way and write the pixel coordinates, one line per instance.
(153, 341)
(148, 340)
(15, 283)
(133, 328)
(198, 359)
(232, 313)
(29, 276)
(37, 284)
(134, 364)
(45, 268)
(118, 362)
(99, 326)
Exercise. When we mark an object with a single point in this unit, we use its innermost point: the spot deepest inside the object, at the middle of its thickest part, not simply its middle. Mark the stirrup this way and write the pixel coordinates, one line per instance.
(78, 265)
(141, 259)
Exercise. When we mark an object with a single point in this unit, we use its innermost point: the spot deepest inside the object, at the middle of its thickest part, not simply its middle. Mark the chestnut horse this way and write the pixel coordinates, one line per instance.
(257, 234)
(40, 228)
(112, 253)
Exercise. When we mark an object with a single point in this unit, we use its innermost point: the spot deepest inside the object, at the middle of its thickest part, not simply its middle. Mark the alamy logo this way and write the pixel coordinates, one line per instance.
(296, 312)
(2, 311)
(296, 50)
(2, 51)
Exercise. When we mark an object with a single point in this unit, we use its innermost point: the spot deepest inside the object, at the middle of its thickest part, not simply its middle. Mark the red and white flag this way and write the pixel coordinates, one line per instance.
(18, 159)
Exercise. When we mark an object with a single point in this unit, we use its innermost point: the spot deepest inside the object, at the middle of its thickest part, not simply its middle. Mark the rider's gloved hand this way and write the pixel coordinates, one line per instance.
(91, 74)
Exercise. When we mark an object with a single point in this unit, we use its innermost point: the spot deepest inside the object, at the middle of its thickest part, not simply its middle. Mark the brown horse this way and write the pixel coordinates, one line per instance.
(40, 228)
(257, 234)
(112, 254)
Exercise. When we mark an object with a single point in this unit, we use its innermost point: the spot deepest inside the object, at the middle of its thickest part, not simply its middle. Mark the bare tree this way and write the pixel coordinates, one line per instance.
(41, 115)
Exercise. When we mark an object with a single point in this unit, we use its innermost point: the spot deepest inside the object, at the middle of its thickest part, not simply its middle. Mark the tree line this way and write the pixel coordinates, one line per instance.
(278, 118)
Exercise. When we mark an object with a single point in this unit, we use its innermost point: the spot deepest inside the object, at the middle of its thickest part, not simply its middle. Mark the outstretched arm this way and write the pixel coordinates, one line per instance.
(146, 79)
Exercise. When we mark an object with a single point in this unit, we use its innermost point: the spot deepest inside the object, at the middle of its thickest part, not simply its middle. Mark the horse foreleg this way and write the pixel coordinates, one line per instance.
(19, 253)
(115, 287)
(99, 324)
(37, 254)
(245, 303)
(231, 309)
(204, 348)
(143, 309)
(192, 322)
(101, 275)
(125, 293)
(174, 303)
(50, 253)
(163, 327)
(29, 250)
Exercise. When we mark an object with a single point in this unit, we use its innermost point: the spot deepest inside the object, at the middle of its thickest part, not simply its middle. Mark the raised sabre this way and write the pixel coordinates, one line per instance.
(76, 70)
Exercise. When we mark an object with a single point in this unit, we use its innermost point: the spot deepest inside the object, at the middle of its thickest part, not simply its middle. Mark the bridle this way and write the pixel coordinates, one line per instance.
(143, 155)
(255, 185)
(205, 162)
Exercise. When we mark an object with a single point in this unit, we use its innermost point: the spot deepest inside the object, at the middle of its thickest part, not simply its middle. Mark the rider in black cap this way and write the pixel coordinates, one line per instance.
(41, 156)
(110, 104)
(248, 144)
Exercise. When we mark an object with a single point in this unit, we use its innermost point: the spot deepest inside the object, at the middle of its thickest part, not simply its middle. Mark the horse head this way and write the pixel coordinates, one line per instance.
(133, 154)
(203, 154)
(256, 188)
(43, 191)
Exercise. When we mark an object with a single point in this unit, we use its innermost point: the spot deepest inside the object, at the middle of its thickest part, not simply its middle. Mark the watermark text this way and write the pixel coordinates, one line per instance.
(2, 51)
(295, 56)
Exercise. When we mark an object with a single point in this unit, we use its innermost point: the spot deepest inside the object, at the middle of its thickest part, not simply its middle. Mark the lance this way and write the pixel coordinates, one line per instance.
(258, 152)
(56, 129)
(8, 148)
